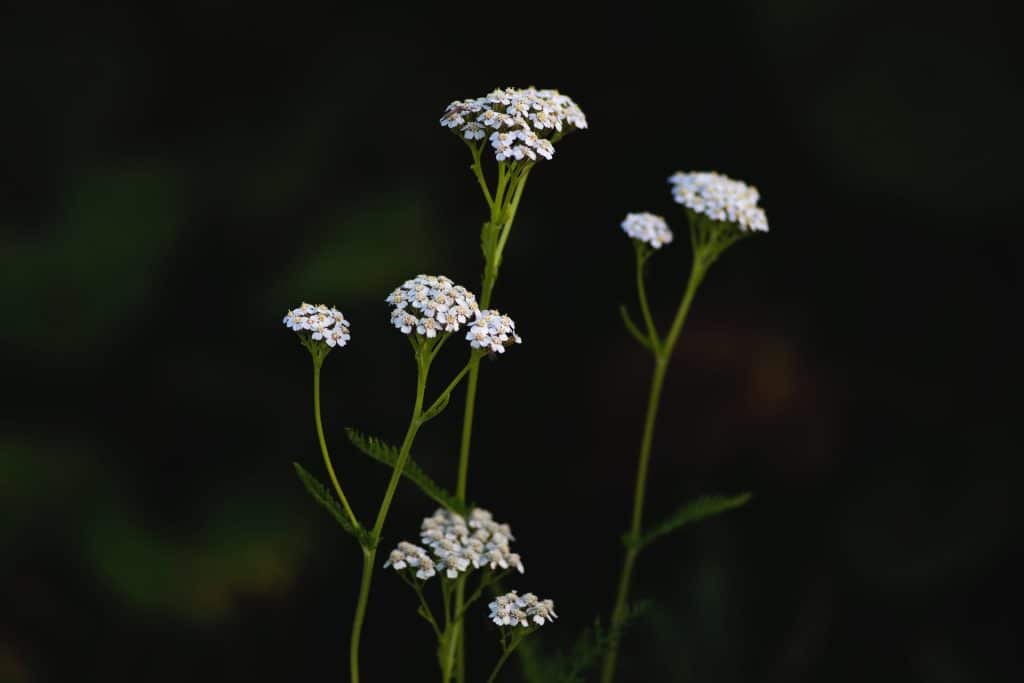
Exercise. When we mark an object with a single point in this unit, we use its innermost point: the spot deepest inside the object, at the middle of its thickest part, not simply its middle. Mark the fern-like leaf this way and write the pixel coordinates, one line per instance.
(695, 510)
(322, 495)
(388, 455)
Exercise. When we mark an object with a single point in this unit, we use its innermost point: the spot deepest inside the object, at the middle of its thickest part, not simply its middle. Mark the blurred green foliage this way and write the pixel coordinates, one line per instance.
(246, 543)
(395, 228)
(95, 270)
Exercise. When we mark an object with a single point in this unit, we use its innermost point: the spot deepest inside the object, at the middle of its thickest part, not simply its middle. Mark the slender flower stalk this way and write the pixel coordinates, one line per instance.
(720, 211)
(370, 554)
(321, 329)
(521, 127)
(455, 547)
(317, 364)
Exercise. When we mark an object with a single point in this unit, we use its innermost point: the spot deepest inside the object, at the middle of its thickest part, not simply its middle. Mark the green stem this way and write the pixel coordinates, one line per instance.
(460, 662)
(697, 272)
(446, 595)
(456, 659)
(513, 207)
(460, 494)
(504, 656)
(443, 397)
(499, 191)
(436, 348)
(369, 554)
(505, 214)
(467, 428)
(490, 279)
(478, 171)
(323, 444)
(622, 595)
(662, 356)
(403, 453)
(454, 619)
(484, 583)
(427, 613)
(641, 289)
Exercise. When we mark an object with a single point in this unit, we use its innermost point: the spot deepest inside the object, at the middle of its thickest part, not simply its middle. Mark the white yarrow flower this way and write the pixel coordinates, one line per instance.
(535, 116)
(429, 305)
(408, 555)
(321, 323)
(493, 332)
(458, 545)
(512, 609)
(473, 131)
(647, 227)
(720, 198)
(455, 545)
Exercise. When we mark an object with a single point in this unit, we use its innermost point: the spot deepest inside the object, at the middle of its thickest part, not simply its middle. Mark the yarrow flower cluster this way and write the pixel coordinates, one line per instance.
(457, 545)
(512, 609)
(517, 122)
(493, 331)
(720, 198)
(647, 227)
(429, 304)
(322, 323)
(411, 555)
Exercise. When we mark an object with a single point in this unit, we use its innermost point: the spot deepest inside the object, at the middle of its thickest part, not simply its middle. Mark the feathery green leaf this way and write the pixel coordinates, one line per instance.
(322, 495)
(384, 453)
(695, 510)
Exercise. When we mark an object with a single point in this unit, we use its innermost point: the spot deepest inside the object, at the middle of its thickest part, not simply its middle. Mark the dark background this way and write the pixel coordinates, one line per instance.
(173, 179)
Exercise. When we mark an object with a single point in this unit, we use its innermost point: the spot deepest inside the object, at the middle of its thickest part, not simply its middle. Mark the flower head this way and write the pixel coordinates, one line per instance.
(720, 198)
(493, 332)
(520, 123)
(512, 609)
(408, 555)
(429, 305)
(319, 323)
(456, 544)
(647, 227)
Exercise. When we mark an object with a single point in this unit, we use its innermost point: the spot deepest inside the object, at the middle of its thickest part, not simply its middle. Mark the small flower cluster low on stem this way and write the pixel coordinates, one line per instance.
(517, 616)
(454, 549)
